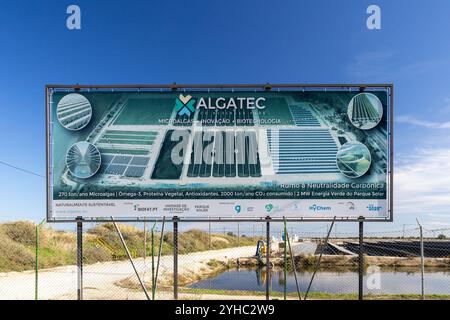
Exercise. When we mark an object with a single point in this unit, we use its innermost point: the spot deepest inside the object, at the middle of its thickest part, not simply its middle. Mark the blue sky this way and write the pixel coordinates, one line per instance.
(320, 41)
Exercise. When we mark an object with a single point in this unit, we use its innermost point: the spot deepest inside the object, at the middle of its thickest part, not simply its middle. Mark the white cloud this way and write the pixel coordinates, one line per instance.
(422, 186)
(407, 119)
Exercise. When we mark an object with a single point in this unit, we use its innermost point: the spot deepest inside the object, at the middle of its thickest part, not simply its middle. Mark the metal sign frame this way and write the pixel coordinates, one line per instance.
(233, 87)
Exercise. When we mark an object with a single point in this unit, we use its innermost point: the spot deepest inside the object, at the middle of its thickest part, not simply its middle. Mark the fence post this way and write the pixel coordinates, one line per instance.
(36, 264)
(175, 257)
(209, 235)
(422, 262)
(79, 259)
(285, 260)
(238, 234)
(361, 260)
(267, 258)
(145, 246)
(37, 261)
(161, 241)
(153, 261)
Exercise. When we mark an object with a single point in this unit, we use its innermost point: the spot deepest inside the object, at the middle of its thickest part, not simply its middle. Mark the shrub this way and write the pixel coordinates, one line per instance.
(23, 232)
(14, 256)
(93, 254)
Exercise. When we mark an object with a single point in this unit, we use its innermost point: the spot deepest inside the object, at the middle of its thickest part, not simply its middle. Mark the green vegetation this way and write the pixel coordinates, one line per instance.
(213, 263)
(17, 247)
(313, 295)
(101, 243)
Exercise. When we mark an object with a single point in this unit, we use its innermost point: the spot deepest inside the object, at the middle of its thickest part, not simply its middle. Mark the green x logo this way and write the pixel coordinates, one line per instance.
(185, 105)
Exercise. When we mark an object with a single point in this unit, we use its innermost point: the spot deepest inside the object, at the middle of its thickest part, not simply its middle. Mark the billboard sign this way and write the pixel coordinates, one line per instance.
(219, 152)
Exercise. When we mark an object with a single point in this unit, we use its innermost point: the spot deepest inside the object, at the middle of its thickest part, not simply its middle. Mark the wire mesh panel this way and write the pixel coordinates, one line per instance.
(222, 261)
(26, 248)
(108, 271)
(213, 258)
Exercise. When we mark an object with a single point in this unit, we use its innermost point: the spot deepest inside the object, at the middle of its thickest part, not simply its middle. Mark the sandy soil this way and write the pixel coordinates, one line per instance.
(100, 280)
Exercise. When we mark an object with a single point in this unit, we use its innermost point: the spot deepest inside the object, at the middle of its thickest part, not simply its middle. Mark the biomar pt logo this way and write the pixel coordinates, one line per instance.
(185, 105)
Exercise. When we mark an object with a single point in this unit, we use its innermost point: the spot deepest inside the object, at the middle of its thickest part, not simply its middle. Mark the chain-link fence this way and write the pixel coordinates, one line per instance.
(223, 261)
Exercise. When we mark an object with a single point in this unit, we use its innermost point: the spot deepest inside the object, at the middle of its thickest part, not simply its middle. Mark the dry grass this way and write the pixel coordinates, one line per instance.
(101, 243)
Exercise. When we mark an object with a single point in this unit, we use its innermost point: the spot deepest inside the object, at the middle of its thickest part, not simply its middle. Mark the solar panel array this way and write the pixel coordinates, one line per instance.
(128, 166)
(117, 137)
(126, 153)
(309, 149)
(363, 110)
(303, 117)
(302, 151)
(234, 154)
(74, 111)
(127, 142)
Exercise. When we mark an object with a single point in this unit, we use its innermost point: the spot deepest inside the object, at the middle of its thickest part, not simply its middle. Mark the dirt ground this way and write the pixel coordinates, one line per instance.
(102, 280)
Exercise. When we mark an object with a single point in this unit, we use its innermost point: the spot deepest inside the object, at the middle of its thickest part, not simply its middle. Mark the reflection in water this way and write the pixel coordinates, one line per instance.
(391, 282)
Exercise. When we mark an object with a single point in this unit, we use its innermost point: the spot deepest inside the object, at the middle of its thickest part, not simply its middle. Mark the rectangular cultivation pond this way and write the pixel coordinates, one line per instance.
(332, 282)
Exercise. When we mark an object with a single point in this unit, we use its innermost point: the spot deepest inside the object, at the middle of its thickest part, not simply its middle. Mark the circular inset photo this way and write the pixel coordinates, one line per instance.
(365, 111)
(353, 159)
(83, 159)
(74, 111)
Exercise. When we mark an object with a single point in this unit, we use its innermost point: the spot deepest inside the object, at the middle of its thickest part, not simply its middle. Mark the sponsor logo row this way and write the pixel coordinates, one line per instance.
(255, 208)
(269, 208)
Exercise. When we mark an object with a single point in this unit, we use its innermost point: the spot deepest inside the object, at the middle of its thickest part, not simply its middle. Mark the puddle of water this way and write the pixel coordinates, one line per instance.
(390, 282)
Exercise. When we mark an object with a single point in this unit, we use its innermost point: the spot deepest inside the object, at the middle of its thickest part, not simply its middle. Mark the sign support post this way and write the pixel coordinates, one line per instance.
(175, 258)
(267, 258)
(361, 260)
(80, 259)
